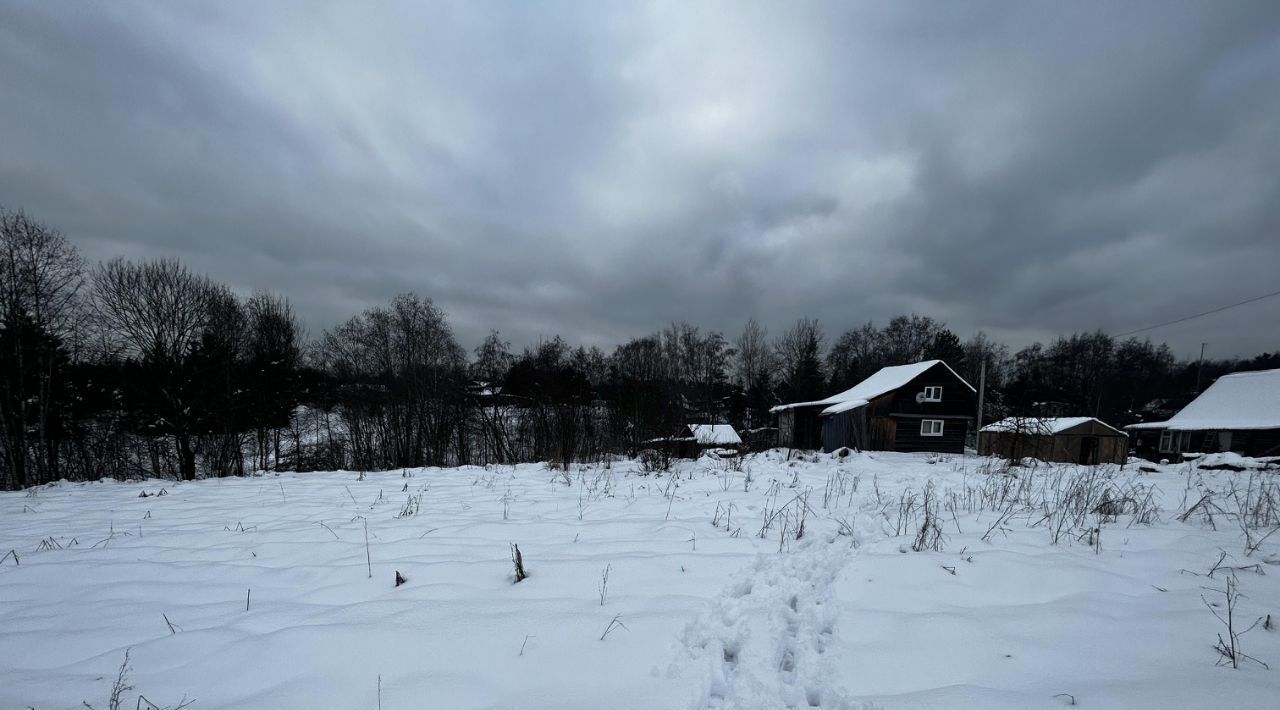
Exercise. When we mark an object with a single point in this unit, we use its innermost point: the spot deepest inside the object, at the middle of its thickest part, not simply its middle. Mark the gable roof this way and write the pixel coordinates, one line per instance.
(714, 434)
(887, 379)
(1243, 400)
(1043, 425)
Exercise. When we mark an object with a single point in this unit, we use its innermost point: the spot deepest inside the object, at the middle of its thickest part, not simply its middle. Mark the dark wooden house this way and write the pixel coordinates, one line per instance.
(1082, 440)
(924, 406)
(1238, 413)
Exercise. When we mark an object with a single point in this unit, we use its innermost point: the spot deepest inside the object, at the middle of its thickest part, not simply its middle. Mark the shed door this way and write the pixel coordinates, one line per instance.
(1089, 450)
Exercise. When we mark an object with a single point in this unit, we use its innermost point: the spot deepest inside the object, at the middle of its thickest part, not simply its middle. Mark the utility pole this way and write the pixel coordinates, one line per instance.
(982, 390)
(1200, 367)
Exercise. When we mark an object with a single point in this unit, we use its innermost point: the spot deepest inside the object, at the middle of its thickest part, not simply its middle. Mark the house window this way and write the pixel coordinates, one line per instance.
(932, 393)
(930, 427)
(1175, 441)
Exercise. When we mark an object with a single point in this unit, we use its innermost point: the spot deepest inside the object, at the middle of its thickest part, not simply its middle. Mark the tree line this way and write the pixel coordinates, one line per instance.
(145, 368)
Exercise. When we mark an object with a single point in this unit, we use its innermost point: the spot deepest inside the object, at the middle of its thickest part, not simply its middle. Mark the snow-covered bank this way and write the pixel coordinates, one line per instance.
(722, 600)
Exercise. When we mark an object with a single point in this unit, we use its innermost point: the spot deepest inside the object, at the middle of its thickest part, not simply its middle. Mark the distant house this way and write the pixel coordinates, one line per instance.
(924, 406)
(1239, 412)
(708, 435)
(1158, 410)
(1082, 440)
(489, 394)
(693, 439)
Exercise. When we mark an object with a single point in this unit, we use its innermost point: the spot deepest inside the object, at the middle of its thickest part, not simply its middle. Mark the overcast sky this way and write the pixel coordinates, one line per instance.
(600, 169)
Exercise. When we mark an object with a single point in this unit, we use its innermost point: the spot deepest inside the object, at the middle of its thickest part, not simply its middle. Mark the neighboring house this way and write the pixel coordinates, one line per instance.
(924, 406)
(1239, 412)
(1158, 410)
(488, 394)
(1082, 440)
(693, 439)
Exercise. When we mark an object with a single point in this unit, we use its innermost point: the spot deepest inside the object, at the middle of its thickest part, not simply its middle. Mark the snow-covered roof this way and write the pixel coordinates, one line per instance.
(1043, 425)
(1243, 400)
(887, 379)
(714, 434)
(845, 406)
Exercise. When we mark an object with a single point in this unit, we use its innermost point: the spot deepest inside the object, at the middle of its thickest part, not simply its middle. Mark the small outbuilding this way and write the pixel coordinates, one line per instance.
(1082, 440)
(694, 439)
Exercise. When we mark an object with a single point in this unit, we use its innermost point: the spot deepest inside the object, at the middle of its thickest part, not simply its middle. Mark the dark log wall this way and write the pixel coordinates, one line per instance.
(957, 398)
(1257, 442)
(1246, 442)
(951, 441)
(956, 409)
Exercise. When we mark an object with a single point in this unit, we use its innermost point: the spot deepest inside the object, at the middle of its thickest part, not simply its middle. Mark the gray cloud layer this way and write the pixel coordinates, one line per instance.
(599, 169)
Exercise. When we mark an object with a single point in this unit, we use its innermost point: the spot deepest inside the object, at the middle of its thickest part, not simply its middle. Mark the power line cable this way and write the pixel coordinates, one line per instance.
(1200, 315)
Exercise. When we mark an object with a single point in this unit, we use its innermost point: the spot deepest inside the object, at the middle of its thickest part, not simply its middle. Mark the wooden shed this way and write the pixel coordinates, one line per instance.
(694, 439)
(1082, 440)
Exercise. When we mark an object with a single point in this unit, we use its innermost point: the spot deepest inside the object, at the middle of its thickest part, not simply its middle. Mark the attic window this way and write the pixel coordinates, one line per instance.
(932, 393)
(931, 427)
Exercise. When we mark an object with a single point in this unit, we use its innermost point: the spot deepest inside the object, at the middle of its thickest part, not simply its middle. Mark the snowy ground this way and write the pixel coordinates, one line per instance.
(710, 613)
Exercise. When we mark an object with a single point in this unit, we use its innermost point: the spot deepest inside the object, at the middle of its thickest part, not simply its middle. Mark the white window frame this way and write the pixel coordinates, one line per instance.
(932, 393)
(1174, 442)
(927, 427)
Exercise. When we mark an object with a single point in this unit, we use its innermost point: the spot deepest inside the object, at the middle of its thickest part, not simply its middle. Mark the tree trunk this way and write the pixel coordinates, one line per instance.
(186, 458)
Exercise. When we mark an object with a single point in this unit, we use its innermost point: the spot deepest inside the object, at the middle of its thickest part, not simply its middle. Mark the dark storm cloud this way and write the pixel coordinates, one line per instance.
(597, 170)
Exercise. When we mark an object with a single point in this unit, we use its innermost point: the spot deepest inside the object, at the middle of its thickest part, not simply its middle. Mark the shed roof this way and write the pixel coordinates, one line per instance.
(1043, 425)
(886, 379)
(1243, 400)
(714, 434)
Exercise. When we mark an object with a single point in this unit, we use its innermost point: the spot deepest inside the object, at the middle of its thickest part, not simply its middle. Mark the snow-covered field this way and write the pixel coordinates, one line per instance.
(779, 584)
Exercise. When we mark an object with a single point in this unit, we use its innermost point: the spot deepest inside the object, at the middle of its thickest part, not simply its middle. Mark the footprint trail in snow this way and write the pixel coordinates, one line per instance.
(763, 643)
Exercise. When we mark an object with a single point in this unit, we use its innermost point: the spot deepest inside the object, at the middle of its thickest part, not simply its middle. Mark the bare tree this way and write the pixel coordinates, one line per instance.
(214, 381)
(753, 355)
(643, 398)
(908, 339)
(799, 352)
(493, 362)
(707, 362)
(274, 356)
(557, 417)
(155, 314)
(41, 276)
(856, 355)
(403, 376)
(156, 310)
(753, 369)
